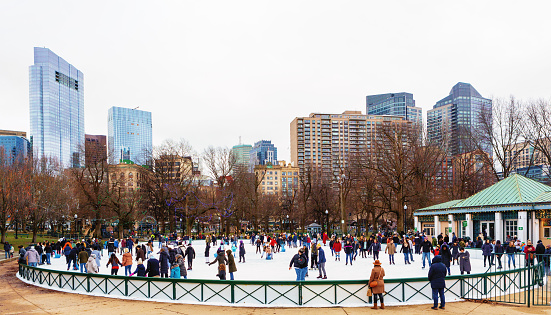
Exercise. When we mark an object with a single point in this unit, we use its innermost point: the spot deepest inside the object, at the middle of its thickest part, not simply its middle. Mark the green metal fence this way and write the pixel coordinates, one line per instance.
(507, 286)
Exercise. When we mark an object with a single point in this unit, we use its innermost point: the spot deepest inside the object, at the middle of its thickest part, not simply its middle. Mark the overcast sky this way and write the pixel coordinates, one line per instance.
(211, 71)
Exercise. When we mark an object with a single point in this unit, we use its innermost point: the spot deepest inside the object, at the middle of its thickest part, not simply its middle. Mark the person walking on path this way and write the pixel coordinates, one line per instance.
(437, 276)
(464, 261)
(7, 248)
(377, 274)
(321, 262)
(426, 248)
(300, 263)
(375, 248)
(390, 250)
(232, 267)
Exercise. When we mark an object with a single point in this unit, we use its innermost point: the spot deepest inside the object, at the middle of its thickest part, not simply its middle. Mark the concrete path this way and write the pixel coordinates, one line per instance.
(17, 297)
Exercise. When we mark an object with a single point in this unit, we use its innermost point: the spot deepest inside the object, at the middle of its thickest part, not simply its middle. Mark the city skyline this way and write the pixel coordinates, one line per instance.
(235, 67)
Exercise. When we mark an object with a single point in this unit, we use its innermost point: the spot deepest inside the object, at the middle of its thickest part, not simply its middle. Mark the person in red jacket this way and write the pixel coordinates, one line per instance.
(530, 252)
(337, 246)
(324, 238)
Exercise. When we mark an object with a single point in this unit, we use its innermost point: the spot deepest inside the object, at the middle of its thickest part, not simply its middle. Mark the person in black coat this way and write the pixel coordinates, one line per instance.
(540, 250)
(446, 256)
(152, 267)
(190, 254)
(163, 261)
(455, 252)
(437, 278)
(241, 251)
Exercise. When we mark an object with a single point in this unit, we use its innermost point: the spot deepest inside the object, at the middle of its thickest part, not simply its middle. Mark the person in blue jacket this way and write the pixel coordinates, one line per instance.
(321, 262)
(437, 278)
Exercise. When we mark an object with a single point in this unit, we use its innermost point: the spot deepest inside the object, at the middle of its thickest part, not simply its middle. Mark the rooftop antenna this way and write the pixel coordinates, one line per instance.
(136, 108)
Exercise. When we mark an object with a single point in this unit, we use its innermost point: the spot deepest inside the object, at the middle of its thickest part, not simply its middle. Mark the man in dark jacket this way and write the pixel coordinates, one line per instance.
(152, 267)
(437, 278)
(190, 254)
(300, 262)
(426, 248)
(487, 250)
(540, 250)
(321, 262)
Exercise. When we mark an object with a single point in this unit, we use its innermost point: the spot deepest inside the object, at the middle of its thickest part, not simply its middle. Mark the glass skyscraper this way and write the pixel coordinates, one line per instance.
(242, 155)
(56, 108)
(13, 148)
(394, 104)
(263, 152)
(455, 117)
(129, 135)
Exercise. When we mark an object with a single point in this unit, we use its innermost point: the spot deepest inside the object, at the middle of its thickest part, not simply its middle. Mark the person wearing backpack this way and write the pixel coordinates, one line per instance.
(300, 262)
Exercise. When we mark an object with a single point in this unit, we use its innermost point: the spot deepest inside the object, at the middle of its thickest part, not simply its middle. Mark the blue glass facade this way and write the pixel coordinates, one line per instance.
(458, 115)
(130, 135)
(56, 108)
(263, 152)
(242, 153)
(395, 104)
(13, 148)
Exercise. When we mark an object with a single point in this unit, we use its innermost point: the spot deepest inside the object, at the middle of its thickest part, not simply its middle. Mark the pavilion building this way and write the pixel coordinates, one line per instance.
(515, 206)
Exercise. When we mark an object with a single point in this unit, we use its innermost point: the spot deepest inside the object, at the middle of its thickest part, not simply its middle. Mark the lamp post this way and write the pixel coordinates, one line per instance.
(288, 226)
(405, 216)
(75, 228)
(341, 203)
(327, 221)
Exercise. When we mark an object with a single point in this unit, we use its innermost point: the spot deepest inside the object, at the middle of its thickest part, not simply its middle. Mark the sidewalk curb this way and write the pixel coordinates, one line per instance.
(4, 261)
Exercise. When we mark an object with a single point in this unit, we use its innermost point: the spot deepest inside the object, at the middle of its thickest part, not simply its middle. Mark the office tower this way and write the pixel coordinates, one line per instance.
(262, 153)
(395, 104)
(326, 141)
(130, 135)
(56, 108)
(13, 148)
(455, 118)
(95, 149)
(242, 153)
(175, 168)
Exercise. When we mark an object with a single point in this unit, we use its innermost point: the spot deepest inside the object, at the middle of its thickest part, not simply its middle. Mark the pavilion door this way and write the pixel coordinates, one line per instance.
(487, 229)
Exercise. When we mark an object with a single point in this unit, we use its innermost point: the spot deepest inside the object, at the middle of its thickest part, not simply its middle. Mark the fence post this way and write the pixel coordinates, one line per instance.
(232, 293)
(529, 283)
(299, 293)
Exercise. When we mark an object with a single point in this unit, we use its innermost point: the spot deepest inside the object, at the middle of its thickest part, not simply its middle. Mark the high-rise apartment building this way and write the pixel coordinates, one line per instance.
(56, 108)
(13, 148)
(262, 153)
(242, 154)
(328, 140)
(174, 168)
(456, 117)
(130, 136)
(395, 104)
(95, 149)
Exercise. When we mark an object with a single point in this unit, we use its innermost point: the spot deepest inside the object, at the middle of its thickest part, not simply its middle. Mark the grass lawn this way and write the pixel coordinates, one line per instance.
(25, 239)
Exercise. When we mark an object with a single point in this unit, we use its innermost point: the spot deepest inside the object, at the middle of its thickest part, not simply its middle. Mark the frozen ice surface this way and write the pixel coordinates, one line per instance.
(256, 268)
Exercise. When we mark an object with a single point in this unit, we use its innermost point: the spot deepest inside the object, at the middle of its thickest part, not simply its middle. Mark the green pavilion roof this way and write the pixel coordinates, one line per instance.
(513, 190)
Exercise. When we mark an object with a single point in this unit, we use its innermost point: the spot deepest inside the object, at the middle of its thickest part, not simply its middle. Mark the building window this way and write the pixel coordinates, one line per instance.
(511, 228)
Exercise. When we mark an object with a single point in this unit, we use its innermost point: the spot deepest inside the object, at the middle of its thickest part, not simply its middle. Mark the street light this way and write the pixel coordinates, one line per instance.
(341, 203)
(405, 216)
(327, 221)
(75, 229)
(288, 224)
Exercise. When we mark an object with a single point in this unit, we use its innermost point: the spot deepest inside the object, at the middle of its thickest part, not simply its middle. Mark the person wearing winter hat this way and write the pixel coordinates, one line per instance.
(321, 262)
(377, 274)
